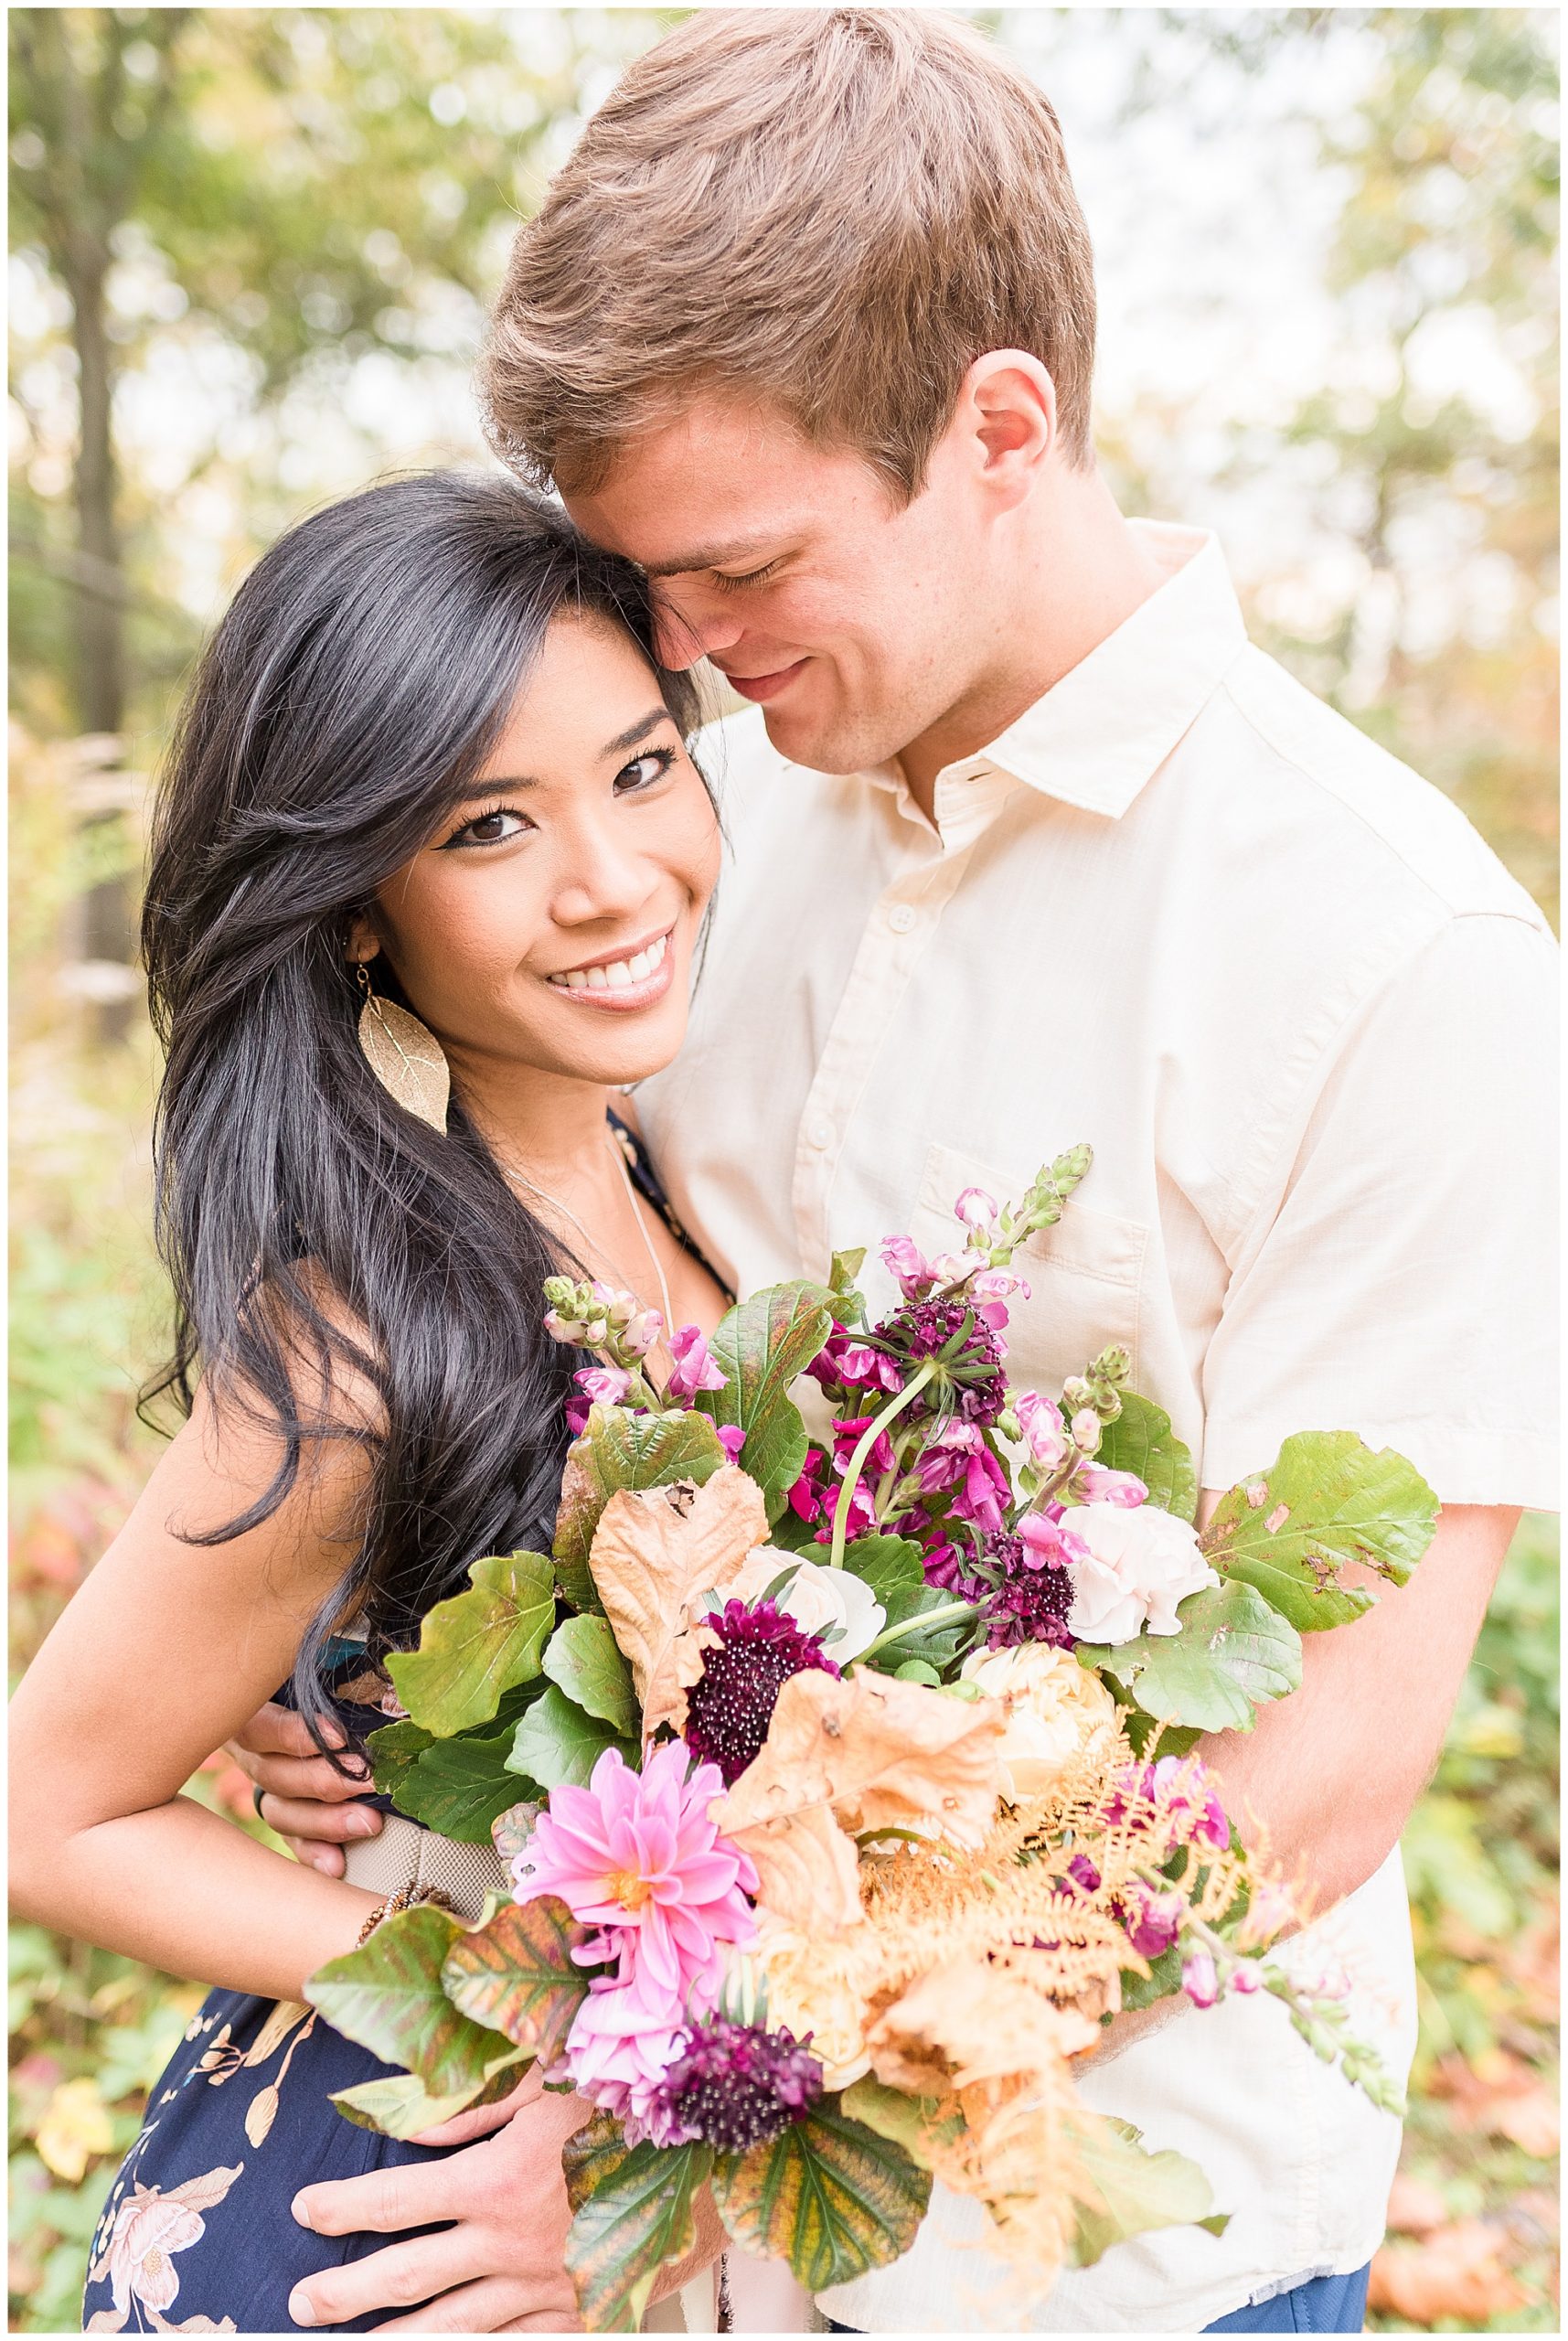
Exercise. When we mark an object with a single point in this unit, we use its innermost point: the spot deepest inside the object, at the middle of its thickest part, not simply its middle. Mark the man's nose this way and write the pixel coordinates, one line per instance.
(689, 625)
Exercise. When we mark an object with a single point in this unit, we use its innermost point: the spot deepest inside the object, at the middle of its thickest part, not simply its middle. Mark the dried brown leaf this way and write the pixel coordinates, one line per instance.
(880, 1754)
(1457, 2273)
(807, 1871)
(654, 1552)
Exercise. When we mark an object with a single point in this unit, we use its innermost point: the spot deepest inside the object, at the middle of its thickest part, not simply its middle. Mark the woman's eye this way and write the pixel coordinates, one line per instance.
(495, 828)
(644, 770)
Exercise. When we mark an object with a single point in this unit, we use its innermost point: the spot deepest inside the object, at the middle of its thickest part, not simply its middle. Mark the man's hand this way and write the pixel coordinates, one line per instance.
(499, 2268)
(306, 1799)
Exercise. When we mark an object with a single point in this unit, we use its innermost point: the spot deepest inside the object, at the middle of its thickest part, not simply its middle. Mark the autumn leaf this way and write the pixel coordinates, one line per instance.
(807, 1869)
(970, 2023)
(880, 1754)
(1457, 2273)
(654, 1552)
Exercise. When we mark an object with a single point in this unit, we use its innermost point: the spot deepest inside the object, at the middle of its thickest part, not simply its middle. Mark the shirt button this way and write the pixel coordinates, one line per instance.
(820, 1135)
(901, 918)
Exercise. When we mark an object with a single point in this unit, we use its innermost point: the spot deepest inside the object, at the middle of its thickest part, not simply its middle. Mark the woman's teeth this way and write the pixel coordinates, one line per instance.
(619, 976)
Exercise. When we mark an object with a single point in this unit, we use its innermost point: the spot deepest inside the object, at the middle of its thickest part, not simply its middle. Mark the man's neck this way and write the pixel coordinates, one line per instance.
(1076, 571)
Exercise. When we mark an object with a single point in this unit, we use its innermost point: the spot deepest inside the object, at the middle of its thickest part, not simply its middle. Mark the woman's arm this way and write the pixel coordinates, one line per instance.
(167, 1647)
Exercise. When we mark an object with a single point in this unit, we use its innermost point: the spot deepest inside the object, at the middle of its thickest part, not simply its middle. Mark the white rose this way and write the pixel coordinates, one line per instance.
(834, 1603)
(1054, 1708)
(813, 1988)
(1140, 1565)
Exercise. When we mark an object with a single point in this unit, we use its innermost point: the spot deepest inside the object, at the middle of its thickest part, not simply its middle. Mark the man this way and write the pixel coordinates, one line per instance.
(1032, 846)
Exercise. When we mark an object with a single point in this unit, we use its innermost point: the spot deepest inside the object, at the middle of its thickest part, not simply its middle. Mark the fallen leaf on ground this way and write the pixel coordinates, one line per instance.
(1414, 2207)
(1458, 2271)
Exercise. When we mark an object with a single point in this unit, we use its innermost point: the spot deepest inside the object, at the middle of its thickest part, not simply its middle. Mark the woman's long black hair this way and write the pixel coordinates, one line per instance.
(341, 710)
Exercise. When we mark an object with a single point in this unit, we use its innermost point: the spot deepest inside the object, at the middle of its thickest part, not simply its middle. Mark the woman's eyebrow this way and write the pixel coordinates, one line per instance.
(635, 732)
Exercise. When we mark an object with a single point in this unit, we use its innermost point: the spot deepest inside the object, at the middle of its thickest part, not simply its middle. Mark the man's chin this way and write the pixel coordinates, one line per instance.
(819, 743)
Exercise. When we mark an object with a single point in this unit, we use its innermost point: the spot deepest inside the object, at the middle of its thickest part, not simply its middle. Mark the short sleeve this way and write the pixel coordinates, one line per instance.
(1405, 1287)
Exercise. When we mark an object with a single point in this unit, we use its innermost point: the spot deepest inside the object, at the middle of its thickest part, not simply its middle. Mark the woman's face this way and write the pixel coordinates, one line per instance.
(551, 921)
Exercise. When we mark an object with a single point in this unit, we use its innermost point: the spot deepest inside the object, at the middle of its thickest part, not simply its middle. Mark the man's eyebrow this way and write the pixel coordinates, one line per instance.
(705, 557)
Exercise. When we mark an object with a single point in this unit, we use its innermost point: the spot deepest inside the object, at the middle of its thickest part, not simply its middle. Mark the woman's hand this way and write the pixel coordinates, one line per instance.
(304, 1797)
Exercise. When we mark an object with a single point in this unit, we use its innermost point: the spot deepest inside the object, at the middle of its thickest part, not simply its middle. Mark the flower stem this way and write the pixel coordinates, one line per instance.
(868, 1438)
(946, 1615)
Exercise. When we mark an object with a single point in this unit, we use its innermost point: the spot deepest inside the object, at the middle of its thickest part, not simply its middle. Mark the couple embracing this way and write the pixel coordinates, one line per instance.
(474, 962)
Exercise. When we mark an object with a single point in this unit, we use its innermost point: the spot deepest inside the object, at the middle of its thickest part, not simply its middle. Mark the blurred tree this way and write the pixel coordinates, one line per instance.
(300, 186)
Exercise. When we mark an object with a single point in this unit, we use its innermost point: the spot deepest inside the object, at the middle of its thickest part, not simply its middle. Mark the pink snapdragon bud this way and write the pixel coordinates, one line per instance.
(807, 1498)
(1097, 1483)
(846, 1436)
(1047, 1543)
(1039, 1419)
(603, 1385)
(976, 1208)
(990, 1292)
(1247, 1976)
(1199, 1978)
(639, 1337)
(694, 1368)
(731, 1439)
(1152, 1921)
(905, 1260)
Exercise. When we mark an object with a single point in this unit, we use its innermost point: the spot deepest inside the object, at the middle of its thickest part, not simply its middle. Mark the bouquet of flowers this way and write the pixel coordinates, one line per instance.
(847, 1783)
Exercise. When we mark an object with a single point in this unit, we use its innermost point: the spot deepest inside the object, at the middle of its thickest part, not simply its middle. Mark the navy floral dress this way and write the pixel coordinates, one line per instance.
(197, 2235)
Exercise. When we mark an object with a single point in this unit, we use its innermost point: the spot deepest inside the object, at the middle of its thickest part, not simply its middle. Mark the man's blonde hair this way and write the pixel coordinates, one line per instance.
(834, 212)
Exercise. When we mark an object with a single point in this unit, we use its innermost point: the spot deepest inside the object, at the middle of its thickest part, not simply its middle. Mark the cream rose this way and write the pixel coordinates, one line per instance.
(1055, 1707)
(812, 1989)
(1139, 1565)
(834, 1603)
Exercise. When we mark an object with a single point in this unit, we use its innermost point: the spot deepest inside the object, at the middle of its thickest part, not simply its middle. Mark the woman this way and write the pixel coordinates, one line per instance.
(429, 770)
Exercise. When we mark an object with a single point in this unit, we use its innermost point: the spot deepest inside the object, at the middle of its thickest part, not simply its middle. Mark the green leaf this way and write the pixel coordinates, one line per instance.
(845, 1268)
(829, 2194)
(477, 1645)
(557, 1745)
(1162, 1982)
(393, 1752)
(910, 2122)
(459, 1787)
(1328, 1501)
(915, 1670)
(891, 1566)
(1141, 1442)
(400, 2106)
(761, 1346)
(1233, 1653)
(515, 1974)
(636, 2216)
(1127, 2190)
(619, 1449)
(938, 1646)
(585, 1661)
(388, 1996)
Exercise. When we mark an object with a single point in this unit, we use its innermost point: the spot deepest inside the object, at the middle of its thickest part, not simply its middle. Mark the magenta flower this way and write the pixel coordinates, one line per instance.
(1044, 1435)
(989, 1293)
(1151, 1921)
(846, 1436)
(915, 1272)
(635, 1854)
(976, 1208)
(731, 1438)
(959, 1459)
(603, 1385)
(694, 1368)
(809, 1493)
(1199, 1978)
(1212, 1824)
(1097, 1483)
(844, 1363)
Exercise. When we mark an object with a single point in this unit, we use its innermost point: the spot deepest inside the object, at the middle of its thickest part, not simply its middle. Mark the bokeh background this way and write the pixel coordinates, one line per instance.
(251, 254)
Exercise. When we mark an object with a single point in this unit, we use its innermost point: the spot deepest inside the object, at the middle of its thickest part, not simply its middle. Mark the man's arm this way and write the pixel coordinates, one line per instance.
(1332, 1772)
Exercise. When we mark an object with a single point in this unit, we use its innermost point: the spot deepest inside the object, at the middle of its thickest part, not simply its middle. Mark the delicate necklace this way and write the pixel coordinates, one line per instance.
(516, 1179)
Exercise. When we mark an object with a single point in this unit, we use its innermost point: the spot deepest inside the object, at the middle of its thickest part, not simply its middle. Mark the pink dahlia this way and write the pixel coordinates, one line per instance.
(623, 2042)
(635, 1855)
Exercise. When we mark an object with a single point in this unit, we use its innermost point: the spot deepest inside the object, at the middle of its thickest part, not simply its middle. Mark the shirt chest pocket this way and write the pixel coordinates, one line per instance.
(1085, 1274)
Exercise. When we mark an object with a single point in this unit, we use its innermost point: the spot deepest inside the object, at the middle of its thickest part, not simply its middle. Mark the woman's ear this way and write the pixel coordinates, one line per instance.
(362, 944)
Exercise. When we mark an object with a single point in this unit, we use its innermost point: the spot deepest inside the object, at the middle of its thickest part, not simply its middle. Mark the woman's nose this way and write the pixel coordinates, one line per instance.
(600, 879)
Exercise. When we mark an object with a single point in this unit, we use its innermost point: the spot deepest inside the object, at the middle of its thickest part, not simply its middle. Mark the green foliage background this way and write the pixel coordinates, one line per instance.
(312, 205)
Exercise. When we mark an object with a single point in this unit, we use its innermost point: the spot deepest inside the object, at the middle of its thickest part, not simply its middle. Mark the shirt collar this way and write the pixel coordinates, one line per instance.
(1096, 736)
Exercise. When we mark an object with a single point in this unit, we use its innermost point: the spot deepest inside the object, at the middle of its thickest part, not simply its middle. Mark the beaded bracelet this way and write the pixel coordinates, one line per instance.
(405, 1899)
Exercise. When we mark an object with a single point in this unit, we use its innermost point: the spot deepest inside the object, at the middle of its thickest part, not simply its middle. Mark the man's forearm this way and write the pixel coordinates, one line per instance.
(1331, 1773)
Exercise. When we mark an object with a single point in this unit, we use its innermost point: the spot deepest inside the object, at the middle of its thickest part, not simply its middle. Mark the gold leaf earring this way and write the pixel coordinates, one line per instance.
(405, 1056)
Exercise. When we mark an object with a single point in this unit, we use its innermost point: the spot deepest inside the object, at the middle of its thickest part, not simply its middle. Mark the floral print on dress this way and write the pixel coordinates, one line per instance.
(149, 2228)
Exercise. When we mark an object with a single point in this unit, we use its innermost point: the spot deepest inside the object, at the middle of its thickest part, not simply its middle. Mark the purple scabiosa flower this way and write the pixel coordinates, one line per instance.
(1032, 1598)
(732, 2085)
(729, 1707)
(969, 1382)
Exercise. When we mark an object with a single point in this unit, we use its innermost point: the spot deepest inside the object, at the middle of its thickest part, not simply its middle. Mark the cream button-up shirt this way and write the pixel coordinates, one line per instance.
(1181, 910)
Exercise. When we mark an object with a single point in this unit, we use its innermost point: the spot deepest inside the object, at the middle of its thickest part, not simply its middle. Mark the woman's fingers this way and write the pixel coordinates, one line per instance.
(329, 1824)
(314, 1779)
(273, 1730)
(310, 1855)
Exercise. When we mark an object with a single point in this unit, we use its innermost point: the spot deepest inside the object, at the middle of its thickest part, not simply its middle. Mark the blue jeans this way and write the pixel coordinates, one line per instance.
(1324, 2305)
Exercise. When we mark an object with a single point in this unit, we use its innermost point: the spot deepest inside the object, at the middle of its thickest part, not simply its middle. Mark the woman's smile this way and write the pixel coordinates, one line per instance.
(623, 980)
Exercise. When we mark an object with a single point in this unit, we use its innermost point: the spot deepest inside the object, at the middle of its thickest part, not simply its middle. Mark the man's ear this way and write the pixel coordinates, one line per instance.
(1008, 404)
